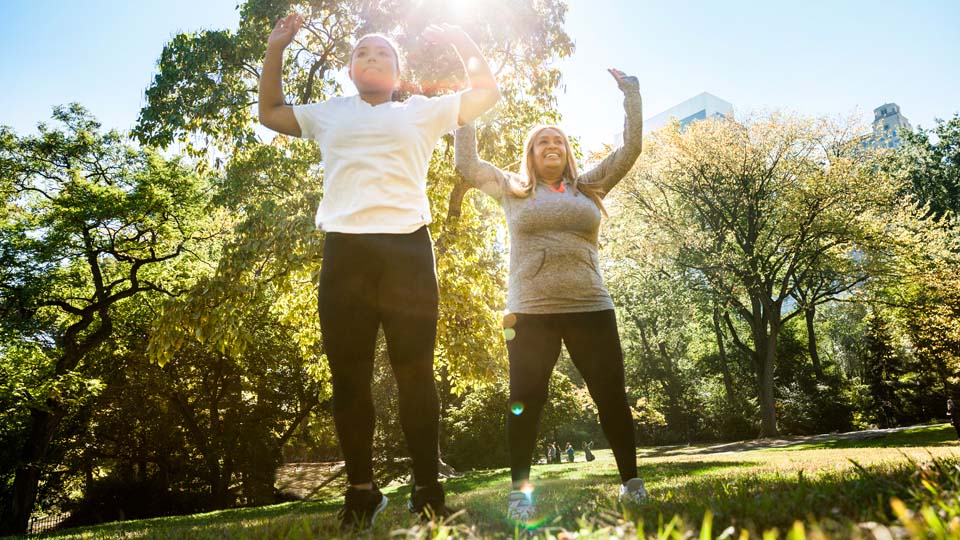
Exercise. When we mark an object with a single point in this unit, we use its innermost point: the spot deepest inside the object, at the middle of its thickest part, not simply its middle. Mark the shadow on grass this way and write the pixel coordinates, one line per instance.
(911, 436)
(943, 435)
(654, 471)
(836, 499)
(475, 480)
(228, 517)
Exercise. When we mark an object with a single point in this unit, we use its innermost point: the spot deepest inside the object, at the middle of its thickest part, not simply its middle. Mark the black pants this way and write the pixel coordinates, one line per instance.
(594, 346)
(368, 280)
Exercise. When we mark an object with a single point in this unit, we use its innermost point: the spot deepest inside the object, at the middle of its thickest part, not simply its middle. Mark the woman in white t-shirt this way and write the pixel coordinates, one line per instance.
(378, 266)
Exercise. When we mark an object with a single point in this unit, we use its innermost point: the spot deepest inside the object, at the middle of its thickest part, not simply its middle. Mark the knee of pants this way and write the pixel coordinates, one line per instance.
(349, 382)
(612, 402)
(349, 392)
(521, 405)
(415, 379)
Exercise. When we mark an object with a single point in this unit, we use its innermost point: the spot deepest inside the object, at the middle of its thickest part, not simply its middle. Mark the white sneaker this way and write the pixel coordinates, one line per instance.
(633, 492)
(520, 506)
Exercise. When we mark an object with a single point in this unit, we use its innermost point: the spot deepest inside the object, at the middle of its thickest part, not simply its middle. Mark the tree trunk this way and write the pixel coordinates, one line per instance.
(43, 425)
(765, 337)
(724, 368)
(675, 416)
(810, 313)
(219, 478)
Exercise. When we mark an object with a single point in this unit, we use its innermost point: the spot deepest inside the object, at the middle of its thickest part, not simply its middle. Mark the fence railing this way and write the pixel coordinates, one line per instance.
(38, 525)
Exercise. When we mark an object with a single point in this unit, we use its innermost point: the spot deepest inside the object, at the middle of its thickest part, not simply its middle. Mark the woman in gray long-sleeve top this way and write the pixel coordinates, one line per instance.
(556, 293)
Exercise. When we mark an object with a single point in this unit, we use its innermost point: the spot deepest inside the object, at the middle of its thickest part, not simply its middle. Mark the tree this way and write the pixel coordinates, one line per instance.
(90, 222)
(755, 210)
(476, 430)
(882, 371)
(657, 320)
(932, 167)
(928, 299)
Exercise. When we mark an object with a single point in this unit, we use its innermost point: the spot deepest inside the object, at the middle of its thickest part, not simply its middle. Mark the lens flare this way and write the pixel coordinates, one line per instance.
(516, 408)
(509, 320)
(509, 333)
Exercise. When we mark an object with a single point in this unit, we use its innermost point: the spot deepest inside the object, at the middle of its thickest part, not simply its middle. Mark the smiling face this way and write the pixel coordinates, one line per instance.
(374, 65)
(548, 150)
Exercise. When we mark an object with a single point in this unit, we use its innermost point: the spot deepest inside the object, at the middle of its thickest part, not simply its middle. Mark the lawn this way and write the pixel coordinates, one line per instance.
(898, 485)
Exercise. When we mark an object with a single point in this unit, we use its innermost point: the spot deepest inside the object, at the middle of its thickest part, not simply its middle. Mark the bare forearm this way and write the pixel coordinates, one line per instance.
(272, 109)
(273, 112)
(271, 84)
(483, 93)
(479, 75)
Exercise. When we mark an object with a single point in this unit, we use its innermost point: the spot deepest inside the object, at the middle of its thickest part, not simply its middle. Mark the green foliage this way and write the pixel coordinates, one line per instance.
(90, 223)
(807, 403)
(930, 161)
(659, 323)
(207, 428)
(753, 213)
(476, 430)
(882, 372)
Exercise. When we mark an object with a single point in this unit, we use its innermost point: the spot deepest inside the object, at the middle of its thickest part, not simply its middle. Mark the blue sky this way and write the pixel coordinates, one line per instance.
(813, 57)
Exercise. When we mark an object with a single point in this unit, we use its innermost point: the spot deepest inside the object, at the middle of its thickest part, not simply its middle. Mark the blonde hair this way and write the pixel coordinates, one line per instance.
(525, 184)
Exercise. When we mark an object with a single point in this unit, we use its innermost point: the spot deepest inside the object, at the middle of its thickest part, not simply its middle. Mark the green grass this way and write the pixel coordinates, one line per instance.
(826, 489)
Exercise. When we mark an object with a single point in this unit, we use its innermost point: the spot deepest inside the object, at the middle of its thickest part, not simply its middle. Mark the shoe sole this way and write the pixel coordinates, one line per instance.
(376, 511)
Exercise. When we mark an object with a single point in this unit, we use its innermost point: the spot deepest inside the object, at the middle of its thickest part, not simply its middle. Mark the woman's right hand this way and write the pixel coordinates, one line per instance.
(284, 31)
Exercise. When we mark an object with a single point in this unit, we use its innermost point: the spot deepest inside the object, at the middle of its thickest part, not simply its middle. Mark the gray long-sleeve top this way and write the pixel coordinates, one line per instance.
(554, 265)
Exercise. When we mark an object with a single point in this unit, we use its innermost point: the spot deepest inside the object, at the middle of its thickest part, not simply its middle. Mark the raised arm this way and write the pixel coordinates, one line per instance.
(273, 111)
(483, 93)
(614, 167)
(479, 173)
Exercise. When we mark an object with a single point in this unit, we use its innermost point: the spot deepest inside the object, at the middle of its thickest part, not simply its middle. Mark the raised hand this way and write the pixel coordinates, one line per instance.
(285, 30)
(443, 34)
(624, 81)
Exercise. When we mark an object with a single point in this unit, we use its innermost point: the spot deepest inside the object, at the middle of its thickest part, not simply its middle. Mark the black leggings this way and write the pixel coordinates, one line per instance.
(594, 346)
(367, 280)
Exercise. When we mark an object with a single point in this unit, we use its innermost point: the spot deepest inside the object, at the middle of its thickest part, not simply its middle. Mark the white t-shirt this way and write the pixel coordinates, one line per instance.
(376, 159)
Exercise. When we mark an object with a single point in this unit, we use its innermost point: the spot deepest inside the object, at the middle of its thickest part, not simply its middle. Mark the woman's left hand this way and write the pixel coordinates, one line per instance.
(442, 34)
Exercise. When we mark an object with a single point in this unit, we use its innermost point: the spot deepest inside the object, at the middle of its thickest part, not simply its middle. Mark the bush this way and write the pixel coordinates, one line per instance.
(115, 499)
(476, 432)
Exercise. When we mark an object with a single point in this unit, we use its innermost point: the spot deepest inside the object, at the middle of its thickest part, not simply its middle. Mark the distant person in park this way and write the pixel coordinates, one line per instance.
(570, 452)
(588, 451)
(378, 265)
(555, 292)
(954, 415)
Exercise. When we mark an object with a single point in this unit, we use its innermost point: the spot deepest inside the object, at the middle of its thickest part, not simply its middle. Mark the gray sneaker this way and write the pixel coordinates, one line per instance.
(633, 492)
(520, 506)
